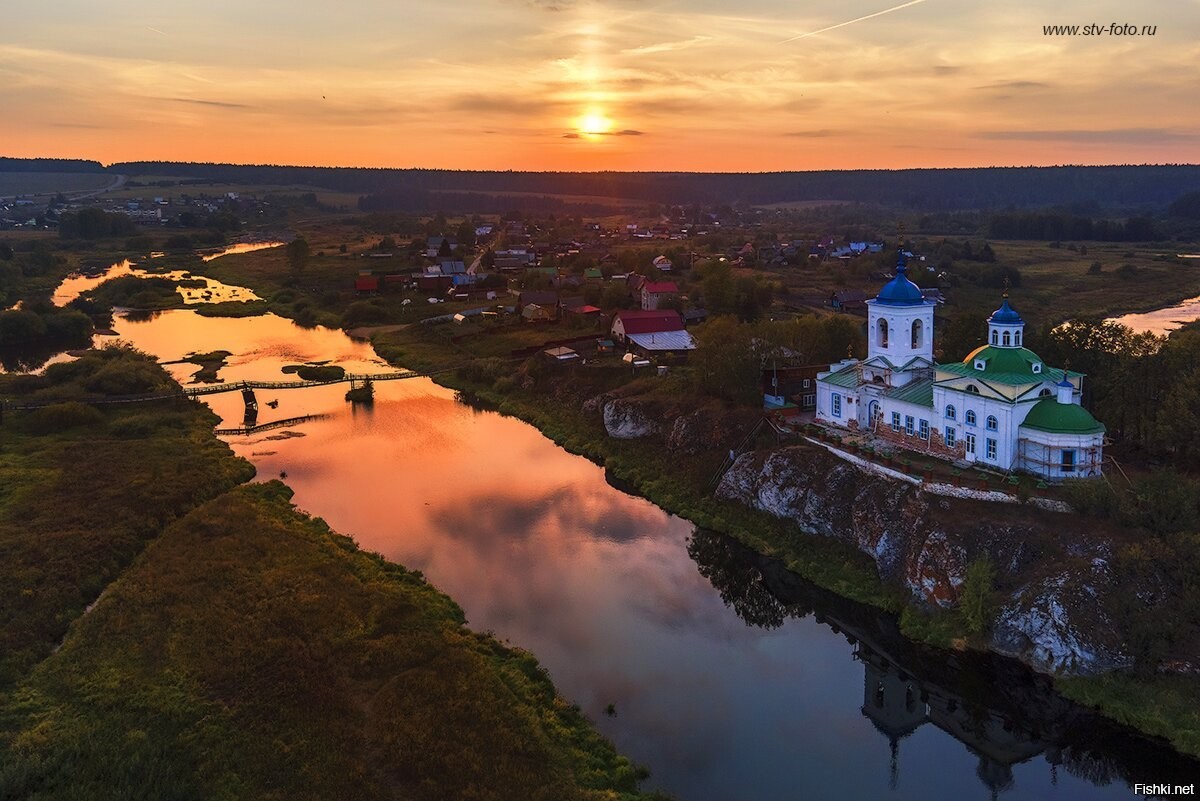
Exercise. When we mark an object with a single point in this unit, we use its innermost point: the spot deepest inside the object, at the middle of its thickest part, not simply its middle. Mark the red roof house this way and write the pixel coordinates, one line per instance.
(645, 322)
(366, 283)
(655, 292)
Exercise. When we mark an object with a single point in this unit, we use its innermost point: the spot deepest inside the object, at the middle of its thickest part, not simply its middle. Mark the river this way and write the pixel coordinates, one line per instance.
(610, 593)
(727, 676)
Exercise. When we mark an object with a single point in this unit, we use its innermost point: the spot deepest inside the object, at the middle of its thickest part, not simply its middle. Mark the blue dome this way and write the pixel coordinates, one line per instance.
(900, 291)
(1006, 315)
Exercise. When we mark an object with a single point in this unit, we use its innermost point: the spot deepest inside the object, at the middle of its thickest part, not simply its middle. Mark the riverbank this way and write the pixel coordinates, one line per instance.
(673, 466)
(568, 408)
(176, 633)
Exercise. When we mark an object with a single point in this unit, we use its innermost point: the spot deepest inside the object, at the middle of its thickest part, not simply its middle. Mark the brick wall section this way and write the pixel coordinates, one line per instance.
(936, 446)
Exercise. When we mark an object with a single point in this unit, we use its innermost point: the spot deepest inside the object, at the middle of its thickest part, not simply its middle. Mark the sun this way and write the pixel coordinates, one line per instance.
(594, 123)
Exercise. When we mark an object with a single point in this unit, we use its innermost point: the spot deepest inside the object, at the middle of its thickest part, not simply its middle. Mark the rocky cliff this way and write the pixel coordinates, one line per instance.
(1053, 570)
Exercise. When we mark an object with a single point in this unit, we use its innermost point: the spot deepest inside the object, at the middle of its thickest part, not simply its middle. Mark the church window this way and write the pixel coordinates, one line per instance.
(992, 423)
(909, 424)
(1045, 393)
(970, 417)
(991, 450)
(951, 437)
(1017, 339)
(974, 390)
(896, 421)
(883, 333)
(807, 383)
(1007, 339)
(918, 332)
(836, 403)
(1068, 461)
(950, 412)
(923, 429)
(1037, 368)
(995, 337)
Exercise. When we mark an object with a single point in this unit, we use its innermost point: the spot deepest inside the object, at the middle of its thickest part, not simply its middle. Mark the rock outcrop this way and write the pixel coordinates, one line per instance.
(1053, 571)
(630, 419)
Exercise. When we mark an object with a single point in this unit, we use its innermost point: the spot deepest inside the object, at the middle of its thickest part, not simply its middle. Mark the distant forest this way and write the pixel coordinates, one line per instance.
(1080, 190)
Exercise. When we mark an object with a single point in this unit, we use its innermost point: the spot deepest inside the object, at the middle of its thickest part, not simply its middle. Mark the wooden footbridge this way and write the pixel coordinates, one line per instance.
(350, 378)
(247, 389)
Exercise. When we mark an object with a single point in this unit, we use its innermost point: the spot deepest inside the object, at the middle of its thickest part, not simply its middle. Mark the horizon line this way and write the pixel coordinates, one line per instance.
(109, 165)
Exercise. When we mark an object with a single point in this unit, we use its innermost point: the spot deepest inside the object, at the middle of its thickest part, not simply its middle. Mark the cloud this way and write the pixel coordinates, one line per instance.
(820, 133)
(626, 132)
(1015, 85)
(666, 47)
(1125, 136)
(215, 103)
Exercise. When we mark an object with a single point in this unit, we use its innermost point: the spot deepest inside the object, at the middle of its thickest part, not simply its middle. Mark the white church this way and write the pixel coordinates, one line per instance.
(1000, 407)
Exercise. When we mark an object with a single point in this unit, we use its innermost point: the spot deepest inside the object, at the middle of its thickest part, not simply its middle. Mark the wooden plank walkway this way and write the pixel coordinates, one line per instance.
(291, 421)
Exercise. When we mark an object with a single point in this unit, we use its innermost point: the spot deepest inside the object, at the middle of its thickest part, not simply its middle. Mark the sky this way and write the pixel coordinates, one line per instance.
(706, 85)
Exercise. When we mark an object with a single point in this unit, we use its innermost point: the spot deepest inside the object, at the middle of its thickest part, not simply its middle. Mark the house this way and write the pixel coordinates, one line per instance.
(541, 297)
(633, 284)
(797, 385)
(561, 355)
(848, 300)
(593, 274)
(655, 292)
(453, 267)
(366, 284)
(663, 264)
(651, 330)
(1000, 407)
(694, 316)
(534, 313)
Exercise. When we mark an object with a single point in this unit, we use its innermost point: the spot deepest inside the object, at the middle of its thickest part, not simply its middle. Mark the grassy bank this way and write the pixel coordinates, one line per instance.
(236, 648)
(253, 653)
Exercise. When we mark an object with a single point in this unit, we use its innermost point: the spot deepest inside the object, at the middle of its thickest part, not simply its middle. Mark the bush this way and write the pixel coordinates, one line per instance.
(363, 312)
(976, 601)
(61, 417)
(324, 372)
(1090, 497)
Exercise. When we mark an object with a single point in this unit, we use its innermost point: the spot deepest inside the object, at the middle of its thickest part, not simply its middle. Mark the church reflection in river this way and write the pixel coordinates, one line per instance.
(1004, 714)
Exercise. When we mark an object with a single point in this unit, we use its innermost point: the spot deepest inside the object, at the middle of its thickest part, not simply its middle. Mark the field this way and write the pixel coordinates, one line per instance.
(51, 183)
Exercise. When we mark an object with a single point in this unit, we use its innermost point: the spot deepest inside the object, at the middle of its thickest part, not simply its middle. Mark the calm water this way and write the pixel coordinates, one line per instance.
(731, 679)
(1162, 321)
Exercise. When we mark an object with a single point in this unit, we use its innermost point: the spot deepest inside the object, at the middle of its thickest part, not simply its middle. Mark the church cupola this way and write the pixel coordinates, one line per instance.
(1066, 391)
(900, 321)
(1006, 329)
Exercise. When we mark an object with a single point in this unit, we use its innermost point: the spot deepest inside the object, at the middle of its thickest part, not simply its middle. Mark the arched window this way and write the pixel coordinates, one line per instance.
(1017, 339)
(883, 333)
(1045, 393)
(995, 337)
(974, 390)
(970, 417)
(950, 412)
(1007, 339)
(992, 423)
(918, 333)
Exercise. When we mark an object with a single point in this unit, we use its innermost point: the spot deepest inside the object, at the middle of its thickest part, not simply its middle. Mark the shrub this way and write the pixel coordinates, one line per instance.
(61, 417)
(976, 601)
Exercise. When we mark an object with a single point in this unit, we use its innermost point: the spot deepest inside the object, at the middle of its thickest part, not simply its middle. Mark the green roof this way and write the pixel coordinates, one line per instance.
(847, 378)
(1061, 418)
(917, 392)
(1012, 366)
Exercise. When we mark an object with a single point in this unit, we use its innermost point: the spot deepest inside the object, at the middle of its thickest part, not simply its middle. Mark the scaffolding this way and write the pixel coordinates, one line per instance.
(1048, 460)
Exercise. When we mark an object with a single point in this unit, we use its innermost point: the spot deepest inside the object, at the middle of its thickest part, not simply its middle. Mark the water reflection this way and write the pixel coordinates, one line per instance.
(1004, 715)
(627, 605)
(1163, 321)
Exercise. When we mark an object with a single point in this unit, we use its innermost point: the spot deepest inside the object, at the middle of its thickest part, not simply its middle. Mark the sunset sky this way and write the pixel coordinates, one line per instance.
(610, 84)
